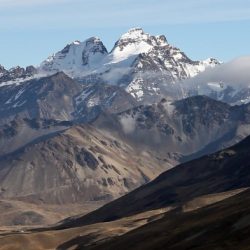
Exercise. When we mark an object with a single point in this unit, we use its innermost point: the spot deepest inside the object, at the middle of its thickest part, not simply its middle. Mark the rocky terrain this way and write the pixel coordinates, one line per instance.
(187, 128)
(134, 146)
(77, 165)
(111, 143)
(16, 74)
(146, 66)
(219, 172)
(41, 107)
(223, 225)
(200, 205)
(58, 97)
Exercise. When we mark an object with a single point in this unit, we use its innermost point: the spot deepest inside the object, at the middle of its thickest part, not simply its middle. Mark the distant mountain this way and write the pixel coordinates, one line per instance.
(226, 170)
(38, 119)
(195, 125)
(36, 113)
(59, 97)
(45, 105)
(16, 74)
(229, 82)
(146, 66)
(120, 95)
(77, 57)
(185, 129)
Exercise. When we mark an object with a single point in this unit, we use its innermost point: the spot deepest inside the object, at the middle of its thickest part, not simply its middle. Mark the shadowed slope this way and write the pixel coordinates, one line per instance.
(226, 170)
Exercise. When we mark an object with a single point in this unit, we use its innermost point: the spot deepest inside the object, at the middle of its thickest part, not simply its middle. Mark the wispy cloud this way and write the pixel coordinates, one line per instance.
(233, 73)
(111, 13)
(17, 3)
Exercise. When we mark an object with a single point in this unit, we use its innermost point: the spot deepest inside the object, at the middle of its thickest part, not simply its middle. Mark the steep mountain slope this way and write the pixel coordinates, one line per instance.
(16, 133)
(160, 134)
(191, 127)
(47, 98)
(16, 74)
(76, 57)
(192, 212)
(59, 97)
(130, 232)
(146, 66)
(42, 106)
(77, 165)
(39, 107)
(223, 171)
(223, 225)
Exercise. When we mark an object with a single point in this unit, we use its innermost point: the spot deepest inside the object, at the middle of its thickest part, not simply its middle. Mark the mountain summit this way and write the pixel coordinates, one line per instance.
(146, 66)
(77, 56)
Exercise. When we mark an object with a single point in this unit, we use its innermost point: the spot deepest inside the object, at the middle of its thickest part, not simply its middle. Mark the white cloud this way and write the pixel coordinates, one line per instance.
(113, 13)
(235, 72)
(128, 124)
(17, 3)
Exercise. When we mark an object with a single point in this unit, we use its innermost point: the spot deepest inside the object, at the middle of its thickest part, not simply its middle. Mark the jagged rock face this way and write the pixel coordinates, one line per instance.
(58, 97)
(110, 98)
(146, 66)
(158, 67)
(47, 98)
(16, 74)
(225, 170)
(196, 125)
(45, 105)
(78, 165)
(156, 71)
(2, 70)
(119, 152)
(76, 58)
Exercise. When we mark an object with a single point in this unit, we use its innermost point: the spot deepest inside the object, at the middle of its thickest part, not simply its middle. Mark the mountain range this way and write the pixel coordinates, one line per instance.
(56, 114)
(145, 66)
(202, 204)
(133, 141)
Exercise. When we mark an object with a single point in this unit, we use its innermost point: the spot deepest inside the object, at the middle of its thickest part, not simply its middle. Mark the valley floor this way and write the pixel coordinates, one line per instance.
(111, 234)
(17, 215)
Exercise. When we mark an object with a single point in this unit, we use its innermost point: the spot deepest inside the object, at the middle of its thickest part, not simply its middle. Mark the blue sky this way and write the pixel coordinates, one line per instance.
(31, 30)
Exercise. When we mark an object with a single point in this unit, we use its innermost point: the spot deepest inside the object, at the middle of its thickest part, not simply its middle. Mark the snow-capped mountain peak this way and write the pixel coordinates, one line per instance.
(16, 75)
(2, 70)
(134, 33)
(146, 66)
(133, 42)
(76, 57)
(162, 40)
(138, 35)
(211, 61)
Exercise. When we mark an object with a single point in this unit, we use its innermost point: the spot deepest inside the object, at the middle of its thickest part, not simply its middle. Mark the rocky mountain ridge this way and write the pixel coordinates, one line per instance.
(145, 65)
(222, 171)
(16, 74)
